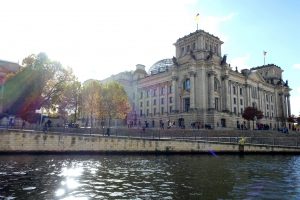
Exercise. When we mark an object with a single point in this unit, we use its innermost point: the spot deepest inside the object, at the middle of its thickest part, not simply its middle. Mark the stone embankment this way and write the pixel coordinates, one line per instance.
(14, 141)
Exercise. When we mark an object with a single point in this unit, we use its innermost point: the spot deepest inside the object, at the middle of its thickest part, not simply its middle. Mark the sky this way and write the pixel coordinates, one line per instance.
(100, 38)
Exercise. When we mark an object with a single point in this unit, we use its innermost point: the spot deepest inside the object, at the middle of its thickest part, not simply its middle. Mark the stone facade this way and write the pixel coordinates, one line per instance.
(198, 86)
(37, 142)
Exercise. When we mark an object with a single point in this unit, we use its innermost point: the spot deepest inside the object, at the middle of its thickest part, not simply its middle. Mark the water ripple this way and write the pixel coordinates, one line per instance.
(150, 177)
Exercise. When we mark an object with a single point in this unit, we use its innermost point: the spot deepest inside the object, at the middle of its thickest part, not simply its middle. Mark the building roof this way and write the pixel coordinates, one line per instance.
(195, 33)
(161, 66)
(264, 66)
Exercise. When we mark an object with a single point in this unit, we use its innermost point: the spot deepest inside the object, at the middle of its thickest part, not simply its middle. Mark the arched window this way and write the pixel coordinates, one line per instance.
(182, 51)
(216, 85)
(188, 49)
(194, 46)
(187, 84)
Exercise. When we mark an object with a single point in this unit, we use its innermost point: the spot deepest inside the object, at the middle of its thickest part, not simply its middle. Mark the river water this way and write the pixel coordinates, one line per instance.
(149, 177)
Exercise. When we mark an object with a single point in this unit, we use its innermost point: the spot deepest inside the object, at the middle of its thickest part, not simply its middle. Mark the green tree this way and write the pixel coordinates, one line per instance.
(115, 101)
(91, 100)
(21, 94)
(69, 100)
(40, 83)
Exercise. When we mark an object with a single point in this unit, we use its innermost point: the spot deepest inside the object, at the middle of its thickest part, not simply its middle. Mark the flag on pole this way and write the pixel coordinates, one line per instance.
(197, 18)
(265, 53)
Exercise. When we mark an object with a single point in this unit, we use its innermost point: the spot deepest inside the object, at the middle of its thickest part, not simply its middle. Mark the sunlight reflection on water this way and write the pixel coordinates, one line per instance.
(150, 177)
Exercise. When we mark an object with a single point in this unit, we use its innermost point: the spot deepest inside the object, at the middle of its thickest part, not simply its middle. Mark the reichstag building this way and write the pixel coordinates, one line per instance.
(197, 87)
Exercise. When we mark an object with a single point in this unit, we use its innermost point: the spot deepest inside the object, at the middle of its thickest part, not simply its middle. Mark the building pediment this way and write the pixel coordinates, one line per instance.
(255, 76)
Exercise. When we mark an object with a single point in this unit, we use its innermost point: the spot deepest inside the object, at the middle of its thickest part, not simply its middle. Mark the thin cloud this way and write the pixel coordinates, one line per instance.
(295, 99)
(296, 66)
(240, 62)
(212, 24)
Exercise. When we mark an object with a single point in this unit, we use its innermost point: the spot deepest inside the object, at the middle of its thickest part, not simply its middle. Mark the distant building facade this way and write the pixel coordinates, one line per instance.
(198, 87)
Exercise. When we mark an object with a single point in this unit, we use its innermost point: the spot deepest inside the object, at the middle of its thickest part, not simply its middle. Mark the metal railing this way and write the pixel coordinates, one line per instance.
(275, 139)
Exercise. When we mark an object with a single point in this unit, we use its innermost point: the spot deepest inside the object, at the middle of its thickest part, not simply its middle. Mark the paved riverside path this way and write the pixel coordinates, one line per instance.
(219, 135)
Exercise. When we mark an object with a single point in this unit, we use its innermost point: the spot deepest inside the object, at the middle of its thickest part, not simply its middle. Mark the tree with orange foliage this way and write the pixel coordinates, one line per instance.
(115, 101)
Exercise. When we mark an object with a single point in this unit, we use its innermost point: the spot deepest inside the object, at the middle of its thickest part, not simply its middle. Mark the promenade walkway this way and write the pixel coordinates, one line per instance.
(253, 137)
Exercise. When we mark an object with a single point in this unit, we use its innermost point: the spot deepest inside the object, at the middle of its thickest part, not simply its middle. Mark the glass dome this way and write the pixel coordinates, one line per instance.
(161, 66)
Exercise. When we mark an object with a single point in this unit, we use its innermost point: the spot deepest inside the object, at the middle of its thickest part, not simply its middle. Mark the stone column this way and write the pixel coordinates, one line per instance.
(259, 106)
(283, 105)
(288, 105)
(192, 90)
(211, 100)
(238, 99)
(175, 90)
(225, 93)
(246, 99)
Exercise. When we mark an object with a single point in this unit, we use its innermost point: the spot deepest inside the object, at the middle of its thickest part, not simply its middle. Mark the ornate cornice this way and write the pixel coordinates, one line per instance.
(211, 73)
(174, 78)
(192, 73)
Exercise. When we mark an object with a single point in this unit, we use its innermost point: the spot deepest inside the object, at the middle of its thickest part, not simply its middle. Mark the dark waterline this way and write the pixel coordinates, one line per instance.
(149, 177)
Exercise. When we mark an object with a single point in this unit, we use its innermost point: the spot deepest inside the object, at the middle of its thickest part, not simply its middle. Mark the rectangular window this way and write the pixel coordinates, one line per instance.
(154, 111)
(162, 101)
(272, 107)
(154, 102)
(267, 98)
(141, 112)
(170, 109)
(234, 110)
(254, 92)
(241, 91)
(170, 89)
(154, 92)
(234, 92)
(141, 104)
(241, 102)
(141, 95)
(267, 106)
(162, 110)
(162, 91)
(147, 93)
(186, 104)
(271, 98)
(147, 103)
(216, 104)
(234, 100)
(147, 112)
(171, 99)
(242, 110)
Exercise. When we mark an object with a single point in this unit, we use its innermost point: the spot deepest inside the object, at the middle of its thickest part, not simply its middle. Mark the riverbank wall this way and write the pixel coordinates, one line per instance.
(39, 142)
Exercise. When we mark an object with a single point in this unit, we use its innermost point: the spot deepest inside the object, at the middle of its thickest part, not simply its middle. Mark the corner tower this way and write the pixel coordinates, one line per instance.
(199, 45)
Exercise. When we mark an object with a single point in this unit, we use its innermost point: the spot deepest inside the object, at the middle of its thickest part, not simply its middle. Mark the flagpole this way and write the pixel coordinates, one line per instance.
(197, 20)
(265, 53)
